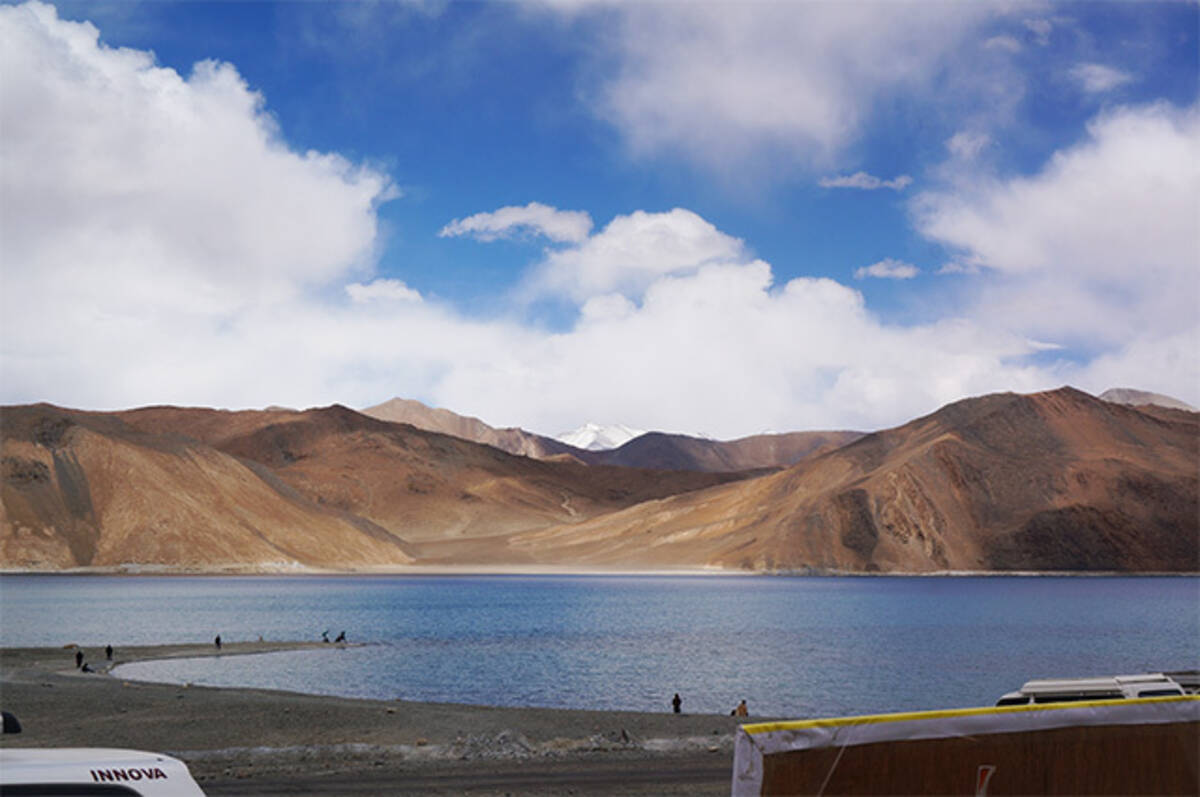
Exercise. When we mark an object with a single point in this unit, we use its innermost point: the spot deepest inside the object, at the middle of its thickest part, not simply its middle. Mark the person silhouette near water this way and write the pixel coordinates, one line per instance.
(325, 636)
(676, 702)
(78, 659)
(108, 652)
(341, 637)
(217, 641)
(740, 710)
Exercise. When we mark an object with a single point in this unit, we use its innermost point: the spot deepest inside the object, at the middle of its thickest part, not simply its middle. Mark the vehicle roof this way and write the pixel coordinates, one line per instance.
(140, 772)
(1086, 685)
(79, 755)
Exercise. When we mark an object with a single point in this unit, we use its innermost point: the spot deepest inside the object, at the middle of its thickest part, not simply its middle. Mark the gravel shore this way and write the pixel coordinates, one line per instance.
(252, 741)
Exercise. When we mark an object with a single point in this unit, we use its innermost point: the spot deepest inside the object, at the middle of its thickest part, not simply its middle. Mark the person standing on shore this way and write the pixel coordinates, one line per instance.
(676, 702)
(108, 652)
(78, 659)
(217, 641)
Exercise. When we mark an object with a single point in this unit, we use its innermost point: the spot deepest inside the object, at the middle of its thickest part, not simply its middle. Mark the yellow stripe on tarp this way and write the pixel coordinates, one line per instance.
(874, 719)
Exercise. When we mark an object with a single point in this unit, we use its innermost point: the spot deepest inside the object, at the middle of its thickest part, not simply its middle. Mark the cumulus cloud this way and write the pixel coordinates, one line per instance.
(161, 242)
(145, 210)
(1098, 247)
(131, 190)
(1041, 29)
(388, 290)
(967, 144)
(630, 253)
(866, 182)
(1005, 43)
(1098, 78)
(728, 83)
(888, 268)
(562, 226)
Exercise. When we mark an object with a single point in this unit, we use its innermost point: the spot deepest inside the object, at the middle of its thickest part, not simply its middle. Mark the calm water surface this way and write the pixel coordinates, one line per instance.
(789, 646)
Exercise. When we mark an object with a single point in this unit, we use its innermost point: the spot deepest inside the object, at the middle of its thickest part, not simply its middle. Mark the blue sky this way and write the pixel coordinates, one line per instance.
(695, 217)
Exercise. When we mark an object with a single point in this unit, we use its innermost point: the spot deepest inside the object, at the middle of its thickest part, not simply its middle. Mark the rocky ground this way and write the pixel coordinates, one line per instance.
(246, 741)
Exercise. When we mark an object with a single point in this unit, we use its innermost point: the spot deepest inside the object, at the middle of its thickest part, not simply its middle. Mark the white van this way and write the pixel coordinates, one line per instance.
(1070, 690)
(79, 771)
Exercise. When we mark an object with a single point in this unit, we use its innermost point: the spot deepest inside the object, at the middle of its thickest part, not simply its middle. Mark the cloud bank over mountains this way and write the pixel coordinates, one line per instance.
(163, 243)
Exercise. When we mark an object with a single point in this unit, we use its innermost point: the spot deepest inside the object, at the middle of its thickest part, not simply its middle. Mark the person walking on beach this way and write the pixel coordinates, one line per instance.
(78, 659)
(676, 702)
(108, 652)
(217, 641)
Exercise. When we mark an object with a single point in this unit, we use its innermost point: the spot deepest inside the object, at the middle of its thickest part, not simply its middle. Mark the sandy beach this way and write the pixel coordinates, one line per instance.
(250, 741)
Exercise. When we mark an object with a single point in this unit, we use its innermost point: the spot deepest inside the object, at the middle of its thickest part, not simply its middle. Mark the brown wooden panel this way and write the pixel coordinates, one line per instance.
(1099, 760)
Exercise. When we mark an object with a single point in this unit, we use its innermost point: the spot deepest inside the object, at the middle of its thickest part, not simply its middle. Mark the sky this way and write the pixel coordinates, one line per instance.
(696, 217)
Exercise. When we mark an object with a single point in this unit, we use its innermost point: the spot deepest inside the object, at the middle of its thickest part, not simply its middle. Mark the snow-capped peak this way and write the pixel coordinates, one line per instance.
(594, 437)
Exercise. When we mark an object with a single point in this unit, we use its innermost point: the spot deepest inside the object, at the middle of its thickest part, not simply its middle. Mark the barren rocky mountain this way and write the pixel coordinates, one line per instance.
(680, 452)
(512, 440)
(1050, 481)
(328, 487)
(654, 450)
(85, 489)
(1142, 398)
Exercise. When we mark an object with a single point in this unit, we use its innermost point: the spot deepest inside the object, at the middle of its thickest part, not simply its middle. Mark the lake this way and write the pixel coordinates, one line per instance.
(796, 647)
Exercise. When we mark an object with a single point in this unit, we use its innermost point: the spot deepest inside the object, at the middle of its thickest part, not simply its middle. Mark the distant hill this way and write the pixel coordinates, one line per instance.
(1050, 481)
(594, 437)
(1140, 398)
(512, 440)
(1055, 481)
(654, 450)
(680, 452)
(275, 489)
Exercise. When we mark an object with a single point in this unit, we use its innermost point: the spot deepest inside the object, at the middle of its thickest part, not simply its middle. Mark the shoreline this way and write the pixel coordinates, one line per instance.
(239, 740)
(567, 570)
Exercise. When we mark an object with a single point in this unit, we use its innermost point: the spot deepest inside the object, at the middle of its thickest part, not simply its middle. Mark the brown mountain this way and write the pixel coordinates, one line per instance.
(1050, 481)
(327, 487)
(512, 440)
(680, 452)
(1141, 398)
(655, 450)
(88, 489)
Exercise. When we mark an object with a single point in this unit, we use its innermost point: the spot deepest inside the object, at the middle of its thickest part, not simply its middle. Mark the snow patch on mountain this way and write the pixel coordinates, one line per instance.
(594, 437)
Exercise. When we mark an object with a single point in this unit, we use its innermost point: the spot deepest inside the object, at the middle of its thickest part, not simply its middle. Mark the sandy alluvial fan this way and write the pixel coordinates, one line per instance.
(1050, 481)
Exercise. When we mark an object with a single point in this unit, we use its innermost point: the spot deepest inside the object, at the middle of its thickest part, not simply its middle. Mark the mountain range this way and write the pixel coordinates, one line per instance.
(1054, 481)
(655, 450)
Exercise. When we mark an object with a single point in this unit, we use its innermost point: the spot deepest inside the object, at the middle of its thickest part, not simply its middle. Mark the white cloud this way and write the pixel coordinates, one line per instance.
(1099, 247)
(162, 244)
(130, 190)
(776, 85)
(725, 349)
(1041, 29)
(630, 253)
(1006, 43)
(562, 226)
(888, 268)
(866, 182)
(967, 144)
(1098, 78)
(388, 290)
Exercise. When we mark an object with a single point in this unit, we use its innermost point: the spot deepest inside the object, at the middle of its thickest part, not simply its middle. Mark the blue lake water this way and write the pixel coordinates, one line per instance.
(796, 647)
